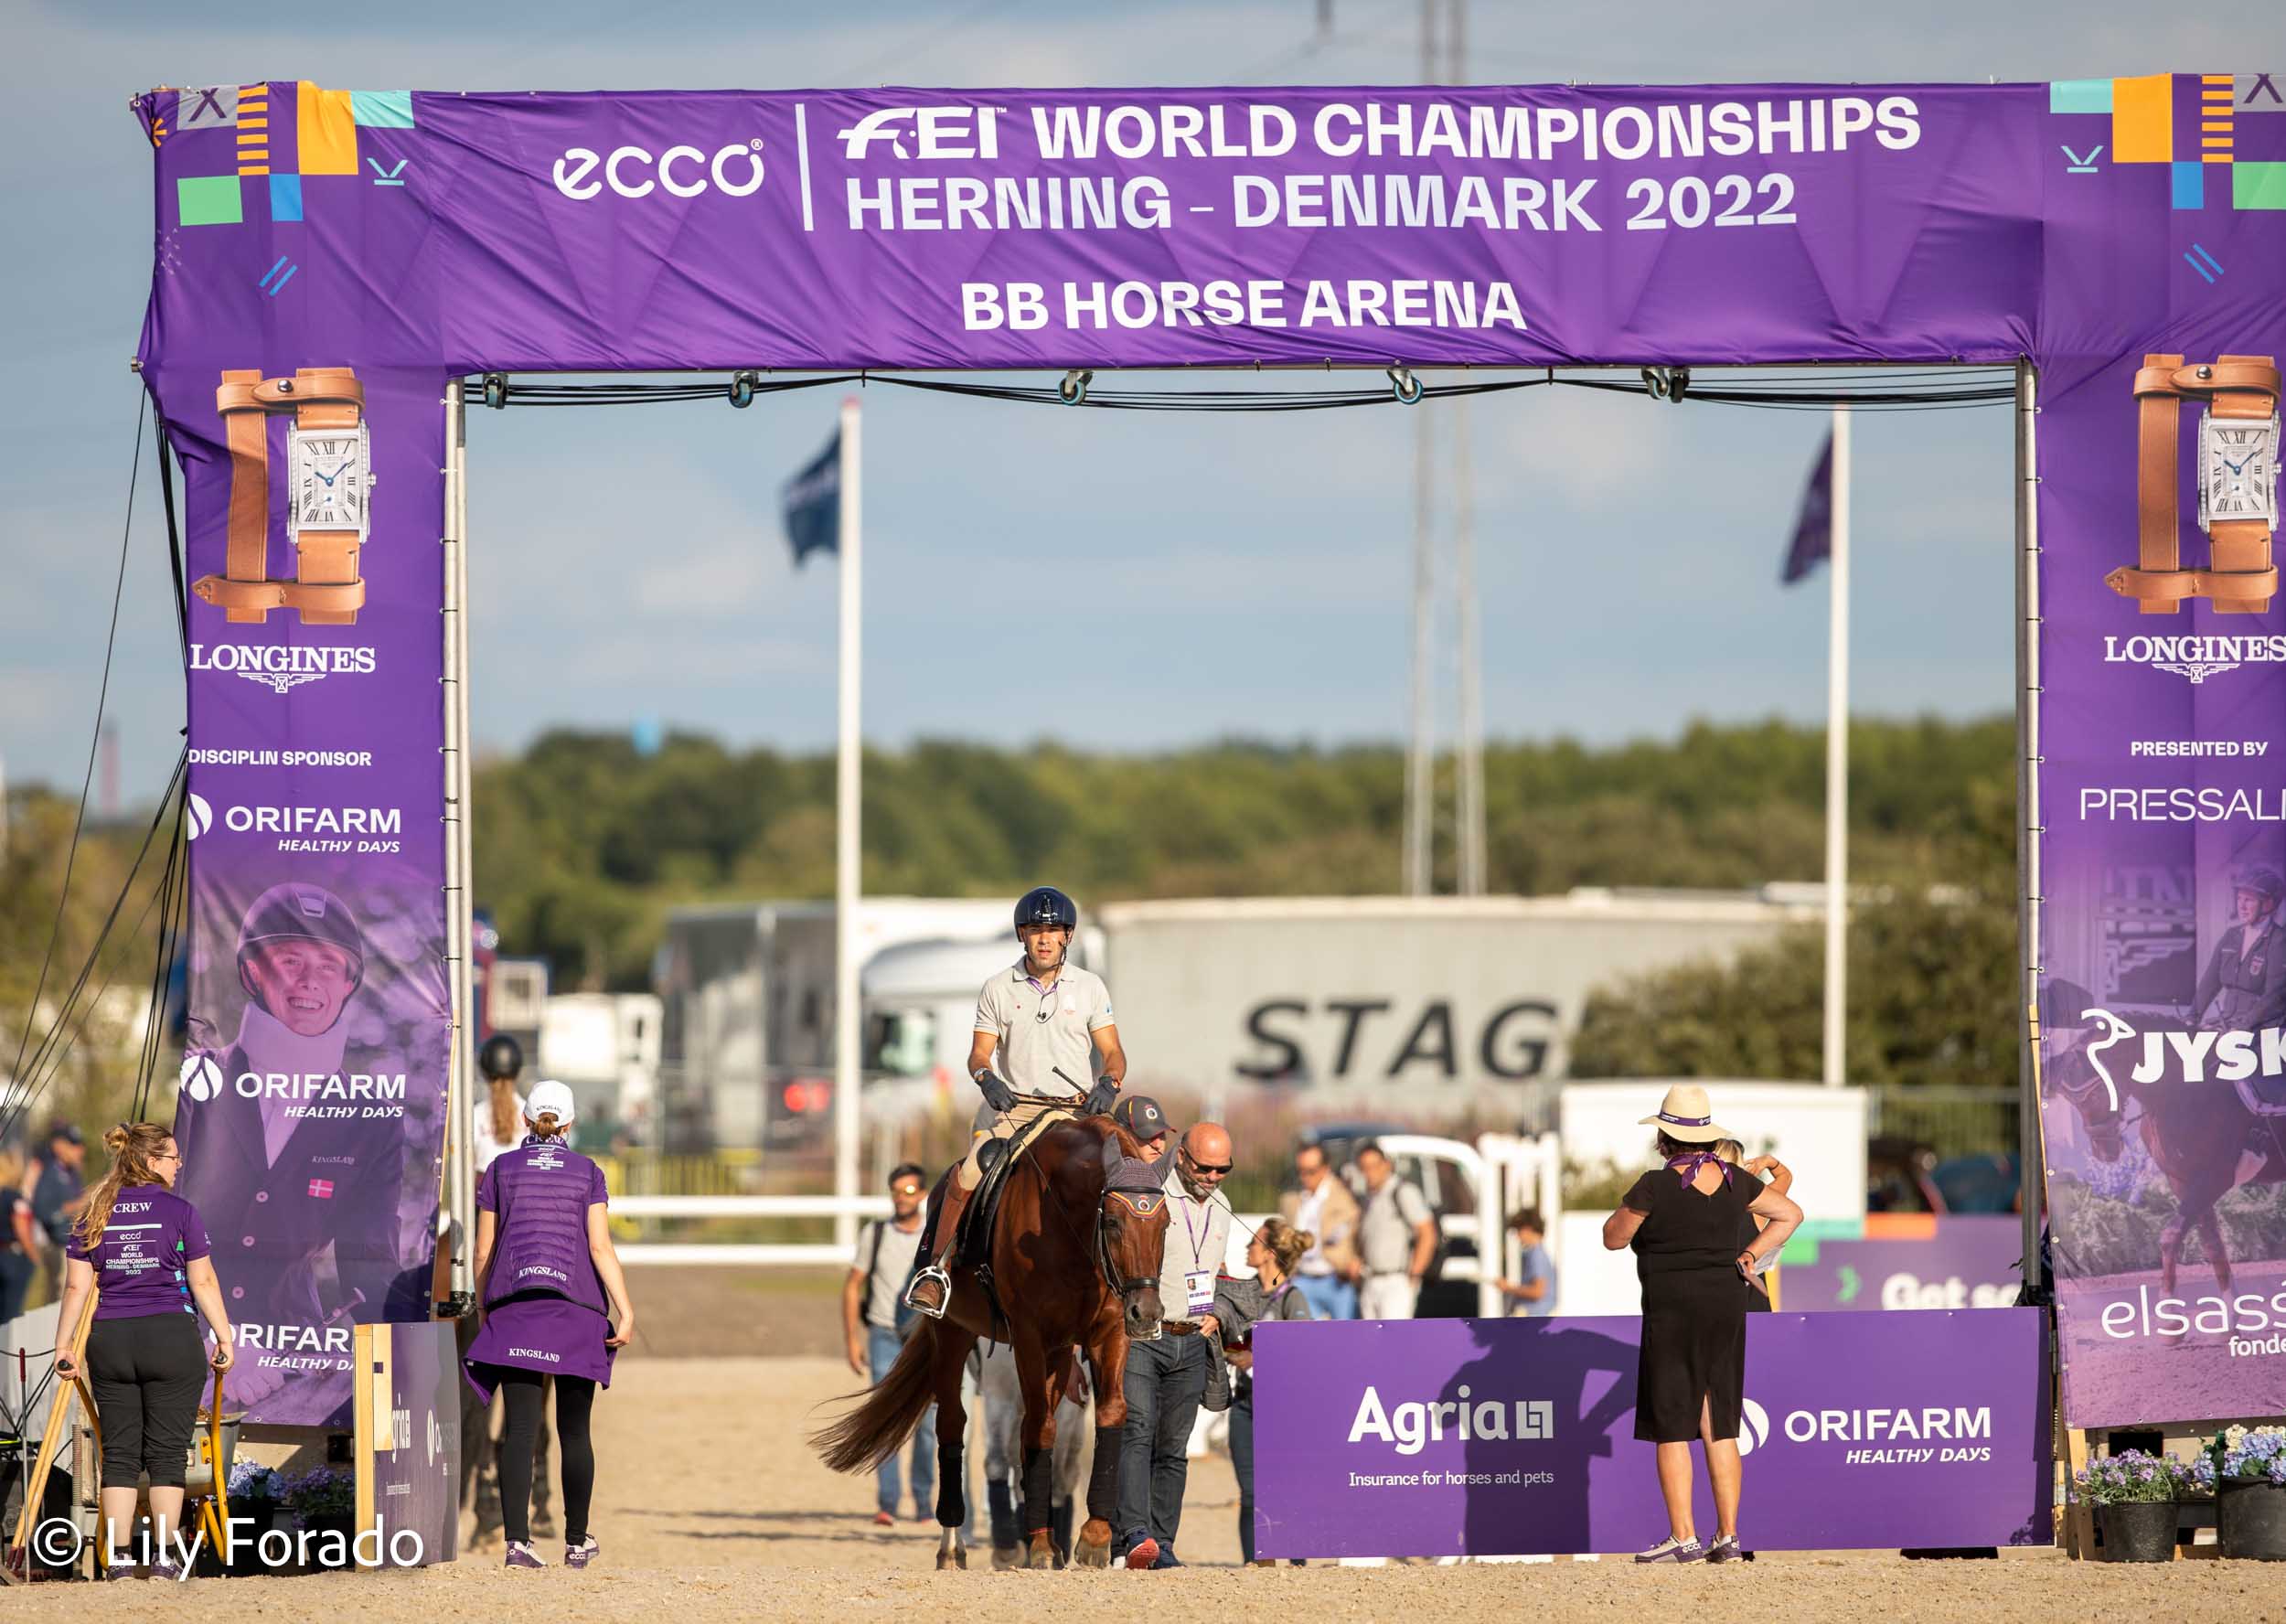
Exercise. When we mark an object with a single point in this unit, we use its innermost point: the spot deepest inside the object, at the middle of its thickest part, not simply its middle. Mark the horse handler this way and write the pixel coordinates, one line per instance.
(1042, 1025)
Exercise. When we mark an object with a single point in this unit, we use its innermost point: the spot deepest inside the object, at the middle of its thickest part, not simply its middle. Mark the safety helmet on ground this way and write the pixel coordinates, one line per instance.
(294, 911)
(1044, 904)
(2261, 879)
(501, 1057)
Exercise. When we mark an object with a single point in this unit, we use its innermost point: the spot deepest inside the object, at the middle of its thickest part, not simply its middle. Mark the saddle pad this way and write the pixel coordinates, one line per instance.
(984, 1209)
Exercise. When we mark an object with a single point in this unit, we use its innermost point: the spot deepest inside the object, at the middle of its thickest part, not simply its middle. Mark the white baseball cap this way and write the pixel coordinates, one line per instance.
(549, 1097)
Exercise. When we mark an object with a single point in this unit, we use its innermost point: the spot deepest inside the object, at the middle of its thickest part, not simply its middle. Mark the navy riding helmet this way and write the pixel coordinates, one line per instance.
(1044, 904)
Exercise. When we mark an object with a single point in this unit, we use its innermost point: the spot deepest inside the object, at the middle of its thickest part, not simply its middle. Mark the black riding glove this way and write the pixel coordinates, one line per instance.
(996, 1092)
(1099, 1098)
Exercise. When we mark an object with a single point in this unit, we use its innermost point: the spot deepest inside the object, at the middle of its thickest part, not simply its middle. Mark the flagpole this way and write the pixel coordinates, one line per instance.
(1838, 757)
(847, 845)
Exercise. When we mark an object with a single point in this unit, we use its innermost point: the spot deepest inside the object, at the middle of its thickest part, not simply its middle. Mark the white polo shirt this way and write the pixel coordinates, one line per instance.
(1043, 1029)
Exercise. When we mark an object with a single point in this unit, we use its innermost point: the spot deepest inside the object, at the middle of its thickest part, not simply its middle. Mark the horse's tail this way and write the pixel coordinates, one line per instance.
(877, 1430)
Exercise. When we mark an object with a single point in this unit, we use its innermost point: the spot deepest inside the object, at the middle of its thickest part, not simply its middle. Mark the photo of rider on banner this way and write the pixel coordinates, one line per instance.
(310, 1117)
(2165, 1099)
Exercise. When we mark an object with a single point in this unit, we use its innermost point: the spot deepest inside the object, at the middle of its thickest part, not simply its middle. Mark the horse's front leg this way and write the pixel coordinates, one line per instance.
(2211, 1236)
(1037, 1436)
(1108, 1363)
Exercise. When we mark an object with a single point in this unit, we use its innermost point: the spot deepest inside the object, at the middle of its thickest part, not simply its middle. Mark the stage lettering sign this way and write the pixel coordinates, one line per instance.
(1514, 1437)
(327, 260)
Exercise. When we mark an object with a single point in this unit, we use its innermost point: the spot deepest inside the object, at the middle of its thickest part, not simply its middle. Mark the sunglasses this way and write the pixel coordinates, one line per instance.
(1205, 1167)
(904, 1190)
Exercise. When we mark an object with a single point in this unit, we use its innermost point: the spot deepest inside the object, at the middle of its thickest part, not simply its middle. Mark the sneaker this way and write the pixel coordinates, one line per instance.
(884, 1519)
(521, 1554)
(1725, 1549)
(1166, 1559)
(164, 1570)
(1142, 1553)
(580, 1555)
(119, 1570)
(1671, 1549)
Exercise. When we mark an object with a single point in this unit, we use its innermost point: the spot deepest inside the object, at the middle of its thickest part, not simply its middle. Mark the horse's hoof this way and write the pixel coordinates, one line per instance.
(1042, 1553)
(1007, 1556)
(955, 1559)
(1091, 1550)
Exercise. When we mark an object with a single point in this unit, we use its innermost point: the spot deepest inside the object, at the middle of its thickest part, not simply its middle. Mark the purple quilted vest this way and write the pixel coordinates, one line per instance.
(542, 1192)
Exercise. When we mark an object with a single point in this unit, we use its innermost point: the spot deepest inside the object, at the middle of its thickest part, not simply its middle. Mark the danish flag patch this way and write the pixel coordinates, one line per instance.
(322, 1189)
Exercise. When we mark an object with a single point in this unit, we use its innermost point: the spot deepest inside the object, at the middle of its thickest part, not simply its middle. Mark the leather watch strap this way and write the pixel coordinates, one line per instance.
(2245, 389)
(246, 550)
(2158, 544)
(2172, 586)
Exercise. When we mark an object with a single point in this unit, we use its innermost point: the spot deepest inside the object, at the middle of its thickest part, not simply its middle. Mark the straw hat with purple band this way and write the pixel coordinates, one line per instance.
(1686, 1115)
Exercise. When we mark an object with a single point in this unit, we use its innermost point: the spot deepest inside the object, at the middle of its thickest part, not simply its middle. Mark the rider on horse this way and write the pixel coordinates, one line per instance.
(1038, 1025)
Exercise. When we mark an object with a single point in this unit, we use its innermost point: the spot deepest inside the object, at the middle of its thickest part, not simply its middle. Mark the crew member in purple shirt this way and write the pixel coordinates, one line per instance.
(142, 1250)
(545, 1267)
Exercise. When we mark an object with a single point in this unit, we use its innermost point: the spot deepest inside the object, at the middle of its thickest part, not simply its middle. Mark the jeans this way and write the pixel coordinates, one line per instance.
(1329, 1297)
(1242, 1460)
(1166, 1380)
(882, 1347)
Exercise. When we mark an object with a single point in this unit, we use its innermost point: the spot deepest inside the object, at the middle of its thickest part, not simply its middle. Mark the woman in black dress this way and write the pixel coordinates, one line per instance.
(1685, 1221)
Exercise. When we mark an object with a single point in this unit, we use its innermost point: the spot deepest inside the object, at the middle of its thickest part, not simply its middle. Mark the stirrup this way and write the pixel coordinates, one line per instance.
(945, 1283)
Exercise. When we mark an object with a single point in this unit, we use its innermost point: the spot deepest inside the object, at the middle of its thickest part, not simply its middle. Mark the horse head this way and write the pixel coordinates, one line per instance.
(1131, 1237)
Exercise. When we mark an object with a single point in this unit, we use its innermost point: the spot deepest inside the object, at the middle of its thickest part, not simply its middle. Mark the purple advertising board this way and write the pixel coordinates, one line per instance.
(326, 260)
(1483, 1437)
(407, 1442)
(1913, 1262)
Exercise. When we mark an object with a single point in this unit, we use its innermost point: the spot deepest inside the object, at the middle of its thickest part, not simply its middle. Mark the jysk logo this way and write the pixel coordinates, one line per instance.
(278, 666)
(679, 171)
(2237, 1055)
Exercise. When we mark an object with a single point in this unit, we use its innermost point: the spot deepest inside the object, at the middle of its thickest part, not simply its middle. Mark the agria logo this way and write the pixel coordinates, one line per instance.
(679, 171)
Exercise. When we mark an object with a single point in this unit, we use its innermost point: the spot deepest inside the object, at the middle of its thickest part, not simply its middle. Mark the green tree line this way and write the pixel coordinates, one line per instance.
(582, 843)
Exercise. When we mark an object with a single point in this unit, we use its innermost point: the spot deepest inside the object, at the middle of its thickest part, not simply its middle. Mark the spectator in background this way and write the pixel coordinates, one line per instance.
(19, 1237)
(1327, 1273)
(1533, 1295)
(1140, 1115)
(1276, 1251)
(1397, 1237)
(875, 1322)
(58, 1193)
(499, 1123)
(1778, 1176)
(1683, 1221)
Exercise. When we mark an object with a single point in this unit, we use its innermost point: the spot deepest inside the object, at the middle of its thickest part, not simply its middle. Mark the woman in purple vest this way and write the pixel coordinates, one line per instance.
(544, 1266)
(143, 1250)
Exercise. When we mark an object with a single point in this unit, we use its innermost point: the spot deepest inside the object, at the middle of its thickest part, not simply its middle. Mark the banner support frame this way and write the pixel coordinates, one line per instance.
(458, 1194)
(2031, 1150)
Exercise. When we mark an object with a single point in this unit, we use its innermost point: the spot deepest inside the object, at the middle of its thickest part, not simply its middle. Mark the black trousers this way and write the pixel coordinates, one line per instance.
(1242, 1461)
(146, 1372)
(522, 1391)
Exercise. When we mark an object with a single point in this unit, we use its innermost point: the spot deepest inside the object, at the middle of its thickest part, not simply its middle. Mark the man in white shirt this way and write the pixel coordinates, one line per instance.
(1397, 1236)
(1042, 1028)
(1166, 1379)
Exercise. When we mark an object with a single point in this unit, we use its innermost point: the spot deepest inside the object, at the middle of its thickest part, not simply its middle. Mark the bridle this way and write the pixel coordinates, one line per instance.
(1138, 1204)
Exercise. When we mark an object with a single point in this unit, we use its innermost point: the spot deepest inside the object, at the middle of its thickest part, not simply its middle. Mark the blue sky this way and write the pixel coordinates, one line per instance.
(1117, 581)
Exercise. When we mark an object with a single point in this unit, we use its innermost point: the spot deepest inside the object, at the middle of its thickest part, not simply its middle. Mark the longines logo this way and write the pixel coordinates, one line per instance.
(2193, 657)
(280, 668)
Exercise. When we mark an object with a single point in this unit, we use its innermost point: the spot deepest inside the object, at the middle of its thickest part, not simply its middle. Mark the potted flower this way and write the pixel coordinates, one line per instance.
(323, 1501)
(253, 1492)
(2249, 1466)
(2134, 1495)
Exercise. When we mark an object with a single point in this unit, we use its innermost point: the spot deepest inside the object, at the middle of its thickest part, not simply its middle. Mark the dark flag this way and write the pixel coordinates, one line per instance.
(812, 502)
(1813, 527)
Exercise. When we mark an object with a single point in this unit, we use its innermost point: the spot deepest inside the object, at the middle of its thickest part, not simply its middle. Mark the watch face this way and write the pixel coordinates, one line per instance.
(329, 477)
(2237, 469)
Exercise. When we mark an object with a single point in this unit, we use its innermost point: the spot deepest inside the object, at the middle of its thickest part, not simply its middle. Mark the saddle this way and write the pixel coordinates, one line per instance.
(973, 1247)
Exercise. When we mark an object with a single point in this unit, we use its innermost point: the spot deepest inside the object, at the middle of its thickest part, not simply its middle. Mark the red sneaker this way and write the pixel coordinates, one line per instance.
(1142, 1554)
(884, 1520)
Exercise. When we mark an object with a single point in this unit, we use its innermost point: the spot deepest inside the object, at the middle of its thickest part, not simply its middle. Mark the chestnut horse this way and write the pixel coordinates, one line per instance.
(2200, 1135)
(1075, 1263)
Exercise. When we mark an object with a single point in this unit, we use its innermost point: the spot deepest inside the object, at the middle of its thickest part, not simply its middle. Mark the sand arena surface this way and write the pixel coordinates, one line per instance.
(709, 1508)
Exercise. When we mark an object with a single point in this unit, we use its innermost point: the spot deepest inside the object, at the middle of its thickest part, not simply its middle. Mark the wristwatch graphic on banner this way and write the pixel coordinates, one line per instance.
(329, 478)
(2238, 476)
